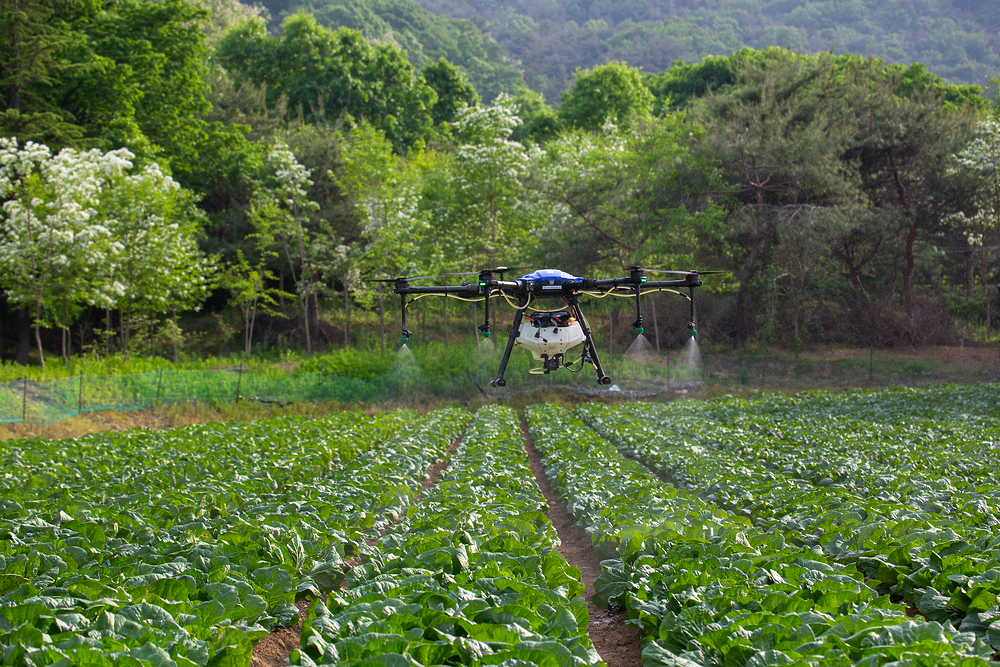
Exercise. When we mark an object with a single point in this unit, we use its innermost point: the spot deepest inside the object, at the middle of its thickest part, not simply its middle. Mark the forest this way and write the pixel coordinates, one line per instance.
(179, 176)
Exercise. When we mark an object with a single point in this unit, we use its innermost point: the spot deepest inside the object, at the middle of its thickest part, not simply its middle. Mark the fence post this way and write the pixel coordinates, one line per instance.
(79, 398)
(159, 383)
(239, 382)
(24, 401)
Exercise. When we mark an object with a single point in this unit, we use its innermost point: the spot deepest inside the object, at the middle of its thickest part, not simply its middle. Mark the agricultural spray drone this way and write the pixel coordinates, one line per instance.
(549, 334)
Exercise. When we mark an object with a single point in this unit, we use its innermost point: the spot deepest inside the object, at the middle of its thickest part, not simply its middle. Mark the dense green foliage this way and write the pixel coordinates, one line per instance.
(470, 576)
(190, 544)
(779, 541)
(849, 199)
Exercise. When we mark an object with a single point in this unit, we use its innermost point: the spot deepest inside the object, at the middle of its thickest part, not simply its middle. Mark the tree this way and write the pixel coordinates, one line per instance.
(981, 223)
(901, 148)
(155, 265)
(452, 88)
(88, 228)
(289, 204)
(612, 91)
(52, 245)
(540, 122)
(619, 196)
(326, 73)
(778, 136)
(248, 283)
(386, 190)
(488, 211)
(37, 46)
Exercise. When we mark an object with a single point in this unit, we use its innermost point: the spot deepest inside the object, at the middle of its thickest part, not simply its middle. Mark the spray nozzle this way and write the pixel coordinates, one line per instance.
(692, 329)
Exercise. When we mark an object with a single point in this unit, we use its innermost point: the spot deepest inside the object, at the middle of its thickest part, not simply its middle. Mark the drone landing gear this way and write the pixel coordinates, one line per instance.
(552, 363)
(515, 331)
(591, 354)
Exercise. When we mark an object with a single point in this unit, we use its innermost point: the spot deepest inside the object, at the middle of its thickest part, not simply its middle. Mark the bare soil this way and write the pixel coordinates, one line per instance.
(273, 650)
(618, 644)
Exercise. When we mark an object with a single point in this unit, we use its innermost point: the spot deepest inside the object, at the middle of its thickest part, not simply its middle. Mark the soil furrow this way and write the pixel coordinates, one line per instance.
(273, 650)
(619, 645)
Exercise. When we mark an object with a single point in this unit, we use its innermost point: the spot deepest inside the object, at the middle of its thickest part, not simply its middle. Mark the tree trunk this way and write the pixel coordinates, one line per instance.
(122, 325)
(23, 336)
(174, 313)
(3, 327)
(305, 316)
(612, 316)
(970, 275)
(381, 322)
(65, 337)
(38, 333)
(986, 296)
(911, 237)
(281, 290)
(347, 316)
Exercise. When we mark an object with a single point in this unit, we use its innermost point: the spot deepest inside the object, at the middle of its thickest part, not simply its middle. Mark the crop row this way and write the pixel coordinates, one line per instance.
(949, 569)
(941, 465)
(188, 545)
(470, 575)
(709, 588)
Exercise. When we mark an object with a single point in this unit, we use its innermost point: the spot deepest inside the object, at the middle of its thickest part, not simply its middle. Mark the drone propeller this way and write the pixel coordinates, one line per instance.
(681, 273)
(415, 278)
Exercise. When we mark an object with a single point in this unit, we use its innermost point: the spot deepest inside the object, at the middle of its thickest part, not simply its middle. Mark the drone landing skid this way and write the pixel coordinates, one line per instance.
(551, 363)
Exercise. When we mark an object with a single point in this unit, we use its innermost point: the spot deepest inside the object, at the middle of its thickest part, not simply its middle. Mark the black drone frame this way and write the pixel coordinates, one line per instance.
(525, 290)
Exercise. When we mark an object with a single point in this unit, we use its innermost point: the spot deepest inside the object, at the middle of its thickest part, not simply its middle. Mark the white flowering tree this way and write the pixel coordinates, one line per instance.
(982, 223)
(86, 228)
(490, 209)
(289, 205)
(155, 265)
(53, 240)
(386, 191)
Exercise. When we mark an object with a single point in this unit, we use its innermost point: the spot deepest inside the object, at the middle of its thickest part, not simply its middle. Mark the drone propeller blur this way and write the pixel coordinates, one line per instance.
(549, 333)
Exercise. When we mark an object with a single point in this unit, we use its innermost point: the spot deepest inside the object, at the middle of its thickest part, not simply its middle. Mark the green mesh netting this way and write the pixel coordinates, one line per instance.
(48, 402)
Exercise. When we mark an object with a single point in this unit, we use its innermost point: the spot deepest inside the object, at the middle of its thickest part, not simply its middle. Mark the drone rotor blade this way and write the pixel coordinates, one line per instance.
(684, 273)
(445, 275)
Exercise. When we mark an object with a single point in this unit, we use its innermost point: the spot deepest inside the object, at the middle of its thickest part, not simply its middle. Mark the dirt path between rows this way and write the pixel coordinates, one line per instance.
(618, 644)
(273, 650)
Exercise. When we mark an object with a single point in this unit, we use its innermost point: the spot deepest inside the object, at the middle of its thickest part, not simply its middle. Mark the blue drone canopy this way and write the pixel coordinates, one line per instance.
(554, 275)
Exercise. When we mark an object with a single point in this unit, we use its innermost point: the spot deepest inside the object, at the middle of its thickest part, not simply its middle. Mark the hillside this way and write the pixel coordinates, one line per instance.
(425, 37)
(957, 39)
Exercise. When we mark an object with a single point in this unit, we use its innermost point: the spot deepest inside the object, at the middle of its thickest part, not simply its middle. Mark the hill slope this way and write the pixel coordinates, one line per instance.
(957, 39)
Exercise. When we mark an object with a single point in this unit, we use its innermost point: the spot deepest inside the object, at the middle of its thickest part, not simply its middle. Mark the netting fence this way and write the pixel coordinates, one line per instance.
(467, 375)
(47, 402)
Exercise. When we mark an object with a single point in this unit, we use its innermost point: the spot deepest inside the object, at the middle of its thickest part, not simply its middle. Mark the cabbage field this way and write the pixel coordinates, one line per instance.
(857, 528)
